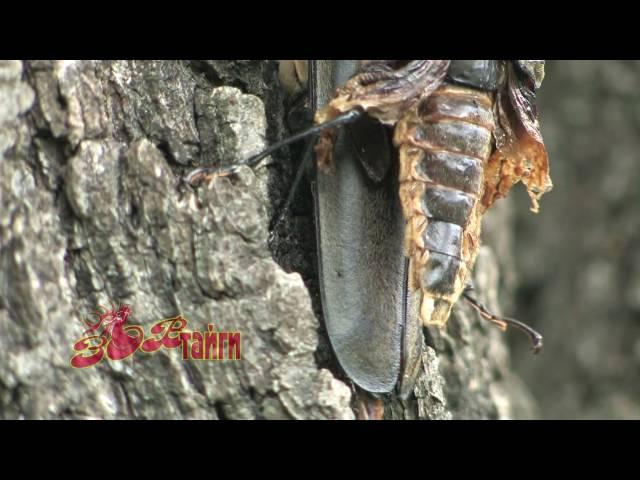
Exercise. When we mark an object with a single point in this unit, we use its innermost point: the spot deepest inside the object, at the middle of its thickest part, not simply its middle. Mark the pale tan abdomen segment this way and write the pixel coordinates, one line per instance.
(444, 142)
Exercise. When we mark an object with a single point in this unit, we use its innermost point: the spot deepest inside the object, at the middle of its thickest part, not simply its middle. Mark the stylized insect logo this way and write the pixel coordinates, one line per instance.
(115, 335)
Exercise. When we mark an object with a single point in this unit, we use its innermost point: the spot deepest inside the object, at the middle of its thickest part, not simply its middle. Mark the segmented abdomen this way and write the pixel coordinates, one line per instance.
(444, 143)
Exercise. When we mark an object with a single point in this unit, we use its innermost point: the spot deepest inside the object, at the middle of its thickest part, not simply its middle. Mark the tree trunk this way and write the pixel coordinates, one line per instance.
(92, 211)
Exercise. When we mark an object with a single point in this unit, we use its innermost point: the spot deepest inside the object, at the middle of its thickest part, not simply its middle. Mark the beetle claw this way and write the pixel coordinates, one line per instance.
(209, 173)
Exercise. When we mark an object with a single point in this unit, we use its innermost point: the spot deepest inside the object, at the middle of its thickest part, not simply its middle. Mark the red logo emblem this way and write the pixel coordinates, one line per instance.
(119, 341)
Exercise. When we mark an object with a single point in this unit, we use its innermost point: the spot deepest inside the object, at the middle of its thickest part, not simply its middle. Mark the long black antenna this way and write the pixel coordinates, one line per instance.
(343, 119)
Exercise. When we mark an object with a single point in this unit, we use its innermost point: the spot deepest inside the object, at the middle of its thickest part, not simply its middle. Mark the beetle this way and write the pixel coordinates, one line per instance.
(427, 146)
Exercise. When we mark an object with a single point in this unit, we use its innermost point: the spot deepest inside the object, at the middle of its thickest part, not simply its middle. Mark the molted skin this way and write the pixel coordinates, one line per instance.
(465, 132)
(480, 74)
(445, 142)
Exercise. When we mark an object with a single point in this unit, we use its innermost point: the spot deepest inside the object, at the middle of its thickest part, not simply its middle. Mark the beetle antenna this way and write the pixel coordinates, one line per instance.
(502, 322)
(204, 172)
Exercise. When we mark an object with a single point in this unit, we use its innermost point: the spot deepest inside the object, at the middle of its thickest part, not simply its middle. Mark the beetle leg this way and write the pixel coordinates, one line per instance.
(368, 407)
(306, 158)
(503, 322)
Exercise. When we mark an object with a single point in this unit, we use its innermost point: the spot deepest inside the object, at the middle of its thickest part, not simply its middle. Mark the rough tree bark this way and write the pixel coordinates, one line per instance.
(92, 210)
